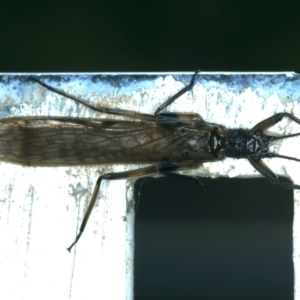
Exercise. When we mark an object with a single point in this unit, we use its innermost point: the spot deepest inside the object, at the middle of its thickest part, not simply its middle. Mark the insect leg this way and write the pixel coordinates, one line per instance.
(178, 117)
(265, 171)
(271, 121)
(160, 168)
(107, 110)
(177, 95)
(122, 112)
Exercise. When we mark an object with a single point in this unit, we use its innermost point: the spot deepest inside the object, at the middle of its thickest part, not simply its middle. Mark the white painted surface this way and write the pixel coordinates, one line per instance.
(40, 225)
(40, 208)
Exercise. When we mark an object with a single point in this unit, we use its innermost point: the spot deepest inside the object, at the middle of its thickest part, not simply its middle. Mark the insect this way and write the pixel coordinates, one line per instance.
(167, 142)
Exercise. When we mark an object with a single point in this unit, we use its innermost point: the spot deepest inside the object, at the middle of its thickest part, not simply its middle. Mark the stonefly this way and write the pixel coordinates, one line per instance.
(167, 142)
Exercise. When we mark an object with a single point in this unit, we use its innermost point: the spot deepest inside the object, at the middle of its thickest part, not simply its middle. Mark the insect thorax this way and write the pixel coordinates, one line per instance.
(240, 144)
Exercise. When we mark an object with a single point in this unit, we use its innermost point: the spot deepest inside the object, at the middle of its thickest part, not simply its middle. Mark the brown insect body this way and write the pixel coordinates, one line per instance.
(46, 142)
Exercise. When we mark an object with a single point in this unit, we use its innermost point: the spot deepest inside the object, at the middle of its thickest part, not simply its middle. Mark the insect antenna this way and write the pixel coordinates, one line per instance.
(270, 155)
(274, 138)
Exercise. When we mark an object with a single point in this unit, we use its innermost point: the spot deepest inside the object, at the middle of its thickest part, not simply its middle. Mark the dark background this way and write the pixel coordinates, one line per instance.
(204, 245)
(225, 35)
